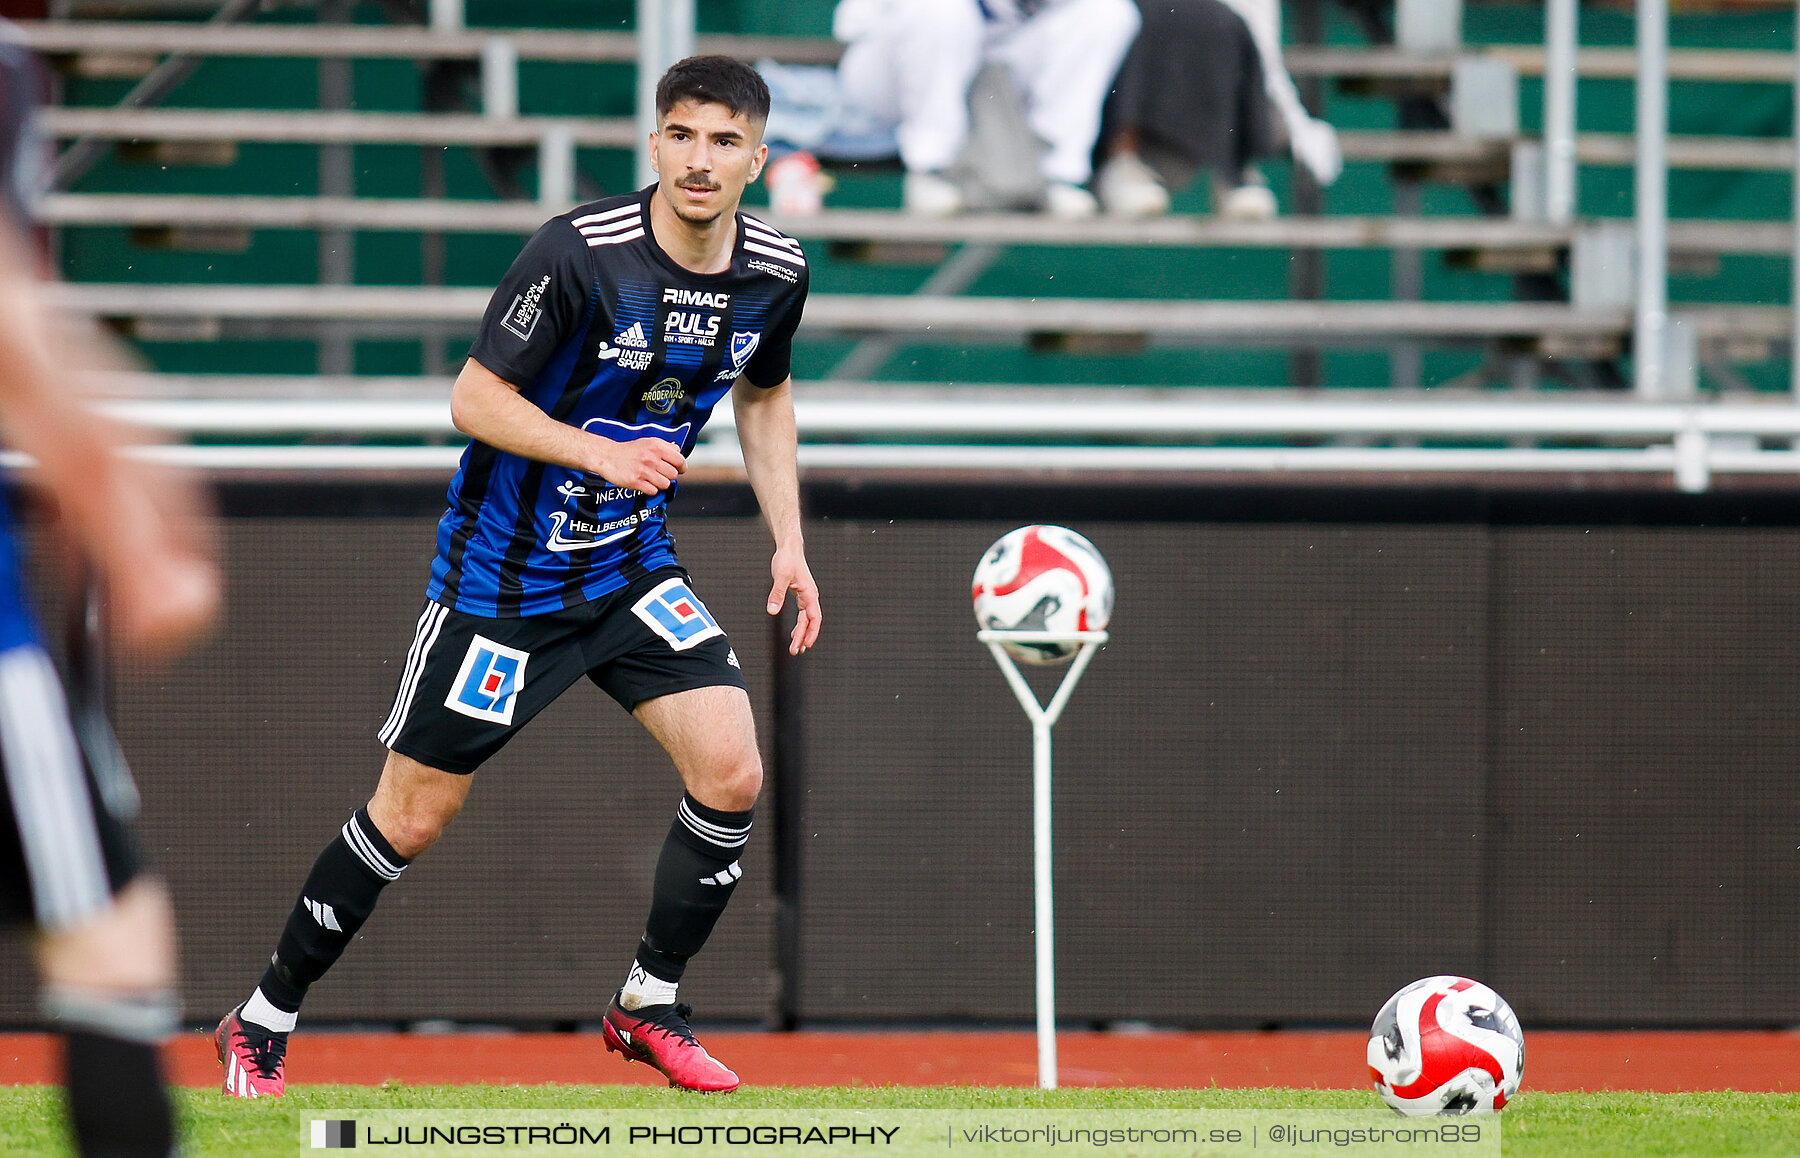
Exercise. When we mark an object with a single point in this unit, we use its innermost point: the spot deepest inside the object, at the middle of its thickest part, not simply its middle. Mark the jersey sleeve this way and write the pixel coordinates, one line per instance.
(772, 363)
(538, 304)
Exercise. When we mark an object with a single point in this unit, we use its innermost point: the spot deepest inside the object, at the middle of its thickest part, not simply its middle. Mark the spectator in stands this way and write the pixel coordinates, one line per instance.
(1195, 93)
(913, 63)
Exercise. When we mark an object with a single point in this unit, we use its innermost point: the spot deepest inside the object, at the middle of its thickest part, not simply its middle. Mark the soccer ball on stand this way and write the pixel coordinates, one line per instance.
(1042, 578)
(1446, 1045)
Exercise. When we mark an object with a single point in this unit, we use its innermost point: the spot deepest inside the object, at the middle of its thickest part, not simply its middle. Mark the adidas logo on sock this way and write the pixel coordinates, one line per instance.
(323, 913)
(634, 337)
(730, 874)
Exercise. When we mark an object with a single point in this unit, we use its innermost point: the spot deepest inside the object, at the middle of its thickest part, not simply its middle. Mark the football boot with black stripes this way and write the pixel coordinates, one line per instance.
(659, 1036)
(253, 1057)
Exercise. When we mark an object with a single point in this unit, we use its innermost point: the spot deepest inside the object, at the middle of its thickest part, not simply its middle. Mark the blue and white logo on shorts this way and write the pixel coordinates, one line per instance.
(488, 685)
(673, 611)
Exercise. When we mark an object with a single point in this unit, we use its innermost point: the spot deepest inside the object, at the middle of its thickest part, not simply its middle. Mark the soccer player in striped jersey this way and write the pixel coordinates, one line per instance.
(70, 869)
(617, 330)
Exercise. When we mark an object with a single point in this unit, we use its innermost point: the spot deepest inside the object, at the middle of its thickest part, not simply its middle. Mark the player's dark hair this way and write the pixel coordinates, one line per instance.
(719, 80)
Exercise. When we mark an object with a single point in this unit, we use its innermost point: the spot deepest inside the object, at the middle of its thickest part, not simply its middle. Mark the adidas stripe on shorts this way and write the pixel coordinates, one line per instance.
(65, 847)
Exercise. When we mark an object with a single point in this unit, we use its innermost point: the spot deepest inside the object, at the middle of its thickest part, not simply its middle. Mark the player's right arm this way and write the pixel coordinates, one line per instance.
(144, 530)
(485, 406)
(539, 306)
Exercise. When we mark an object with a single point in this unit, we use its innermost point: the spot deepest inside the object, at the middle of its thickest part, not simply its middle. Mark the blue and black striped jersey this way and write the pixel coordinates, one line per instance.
(601, 329)
(21, 175)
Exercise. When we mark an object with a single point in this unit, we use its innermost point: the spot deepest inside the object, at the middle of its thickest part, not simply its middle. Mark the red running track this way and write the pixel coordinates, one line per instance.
(1555, 1061)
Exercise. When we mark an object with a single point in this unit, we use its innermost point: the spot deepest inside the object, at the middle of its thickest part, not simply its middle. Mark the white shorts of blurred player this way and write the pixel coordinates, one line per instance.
(912, 62)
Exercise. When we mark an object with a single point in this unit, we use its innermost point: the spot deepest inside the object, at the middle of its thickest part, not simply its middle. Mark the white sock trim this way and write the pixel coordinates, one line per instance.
(260, 1011)
(641, 989)
(148, 1017)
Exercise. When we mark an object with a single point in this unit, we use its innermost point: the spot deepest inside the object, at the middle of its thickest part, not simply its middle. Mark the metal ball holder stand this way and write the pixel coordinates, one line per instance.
(1043, 718)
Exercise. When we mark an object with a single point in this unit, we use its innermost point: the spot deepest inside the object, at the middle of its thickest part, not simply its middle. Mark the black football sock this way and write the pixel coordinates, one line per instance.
(112, 1068)
(338, 897)
(695, 877)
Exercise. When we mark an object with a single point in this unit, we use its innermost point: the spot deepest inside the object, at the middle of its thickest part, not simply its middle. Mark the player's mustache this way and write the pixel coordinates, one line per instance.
(698, 181)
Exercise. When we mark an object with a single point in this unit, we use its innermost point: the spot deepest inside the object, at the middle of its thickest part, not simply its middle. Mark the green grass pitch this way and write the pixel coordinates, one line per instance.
(1537, 1125)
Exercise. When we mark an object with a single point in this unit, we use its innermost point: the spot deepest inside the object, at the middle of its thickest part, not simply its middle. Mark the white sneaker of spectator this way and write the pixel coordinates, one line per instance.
(1129, 188)
(930, 195)
(1067, 202)
(1251, 201)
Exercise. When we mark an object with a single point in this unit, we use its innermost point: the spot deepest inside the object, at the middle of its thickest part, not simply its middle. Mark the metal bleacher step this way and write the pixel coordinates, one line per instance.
(200, 312)
(869, 226)
(1378, 64)
(309, 127)
(62, 39)
(282, 426)
(1603, 150)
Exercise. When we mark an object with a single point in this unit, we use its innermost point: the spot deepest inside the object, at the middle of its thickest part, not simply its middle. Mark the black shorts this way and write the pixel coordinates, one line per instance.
(471, 682)
(66, 800)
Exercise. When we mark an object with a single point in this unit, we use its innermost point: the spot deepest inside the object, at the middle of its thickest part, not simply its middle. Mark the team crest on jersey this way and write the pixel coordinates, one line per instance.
(673, 611)
(489, 682)
(743, 344)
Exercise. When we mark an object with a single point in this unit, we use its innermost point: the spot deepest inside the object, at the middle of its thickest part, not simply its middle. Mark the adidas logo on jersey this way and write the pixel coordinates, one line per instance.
(634, 338)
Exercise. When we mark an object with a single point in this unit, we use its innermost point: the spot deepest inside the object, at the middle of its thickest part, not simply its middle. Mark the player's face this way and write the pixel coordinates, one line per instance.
(704, 156)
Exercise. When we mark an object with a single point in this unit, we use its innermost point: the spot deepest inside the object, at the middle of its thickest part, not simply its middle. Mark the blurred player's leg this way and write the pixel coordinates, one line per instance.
(710, 735)
(409, 811)
(105, 948)
(108, 990)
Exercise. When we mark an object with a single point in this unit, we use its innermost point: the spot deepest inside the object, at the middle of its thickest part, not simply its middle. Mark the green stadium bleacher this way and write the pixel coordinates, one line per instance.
(1182, 302)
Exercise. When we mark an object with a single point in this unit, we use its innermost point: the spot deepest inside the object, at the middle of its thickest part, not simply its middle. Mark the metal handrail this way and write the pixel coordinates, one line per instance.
(1130, 432)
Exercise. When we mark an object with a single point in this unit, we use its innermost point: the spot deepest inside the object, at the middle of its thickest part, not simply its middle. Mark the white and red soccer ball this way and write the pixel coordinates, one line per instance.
(1043, 578)
(1446, 1045)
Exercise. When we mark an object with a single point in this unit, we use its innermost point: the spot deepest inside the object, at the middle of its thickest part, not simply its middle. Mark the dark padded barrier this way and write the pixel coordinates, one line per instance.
(253, 752)
(1547, 743)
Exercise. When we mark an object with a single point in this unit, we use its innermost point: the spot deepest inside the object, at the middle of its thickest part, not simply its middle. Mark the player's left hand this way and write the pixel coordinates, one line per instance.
(789, 570)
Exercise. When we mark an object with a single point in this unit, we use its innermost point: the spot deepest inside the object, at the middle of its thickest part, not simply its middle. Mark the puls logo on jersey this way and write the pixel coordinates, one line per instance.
(489, 682)
(674, 612)
(522, 316)
(686, 328)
